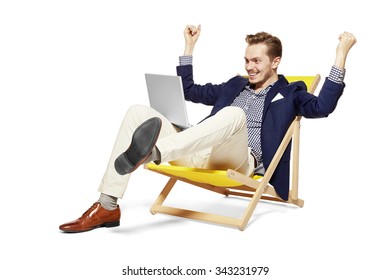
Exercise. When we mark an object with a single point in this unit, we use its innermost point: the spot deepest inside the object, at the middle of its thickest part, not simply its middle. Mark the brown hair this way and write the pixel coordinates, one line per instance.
(274, 45)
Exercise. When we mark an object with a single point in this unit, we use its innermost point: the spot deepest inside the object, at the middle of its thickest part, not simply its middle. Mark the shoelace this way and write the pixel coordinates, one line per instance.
(93, 207)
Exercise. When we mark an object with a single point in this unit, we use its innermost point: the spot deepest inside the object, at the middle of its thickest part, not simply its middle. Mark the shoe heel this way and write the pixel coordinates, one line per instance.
(112, 224)
(122, 165)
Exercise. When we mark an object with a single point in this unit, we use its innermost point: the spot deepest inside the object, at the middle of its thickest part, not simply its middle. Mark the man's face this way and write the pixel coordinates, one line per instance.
(261, 70)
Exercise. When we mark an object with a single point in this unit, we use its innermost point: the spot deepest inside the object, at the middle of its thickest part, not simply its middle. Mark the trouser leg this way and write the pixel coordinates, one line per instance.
(219, 142)
(112, 183)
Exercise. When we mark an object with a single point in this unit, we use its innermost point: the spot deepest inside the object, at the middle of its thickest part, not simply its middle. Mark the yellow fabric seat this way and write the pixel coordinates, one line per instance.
(216, 178)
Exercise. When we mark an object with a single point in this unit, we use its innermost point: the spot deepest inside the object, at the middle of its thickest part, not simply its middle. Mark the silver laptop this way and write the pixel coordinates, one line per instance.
(166, 96)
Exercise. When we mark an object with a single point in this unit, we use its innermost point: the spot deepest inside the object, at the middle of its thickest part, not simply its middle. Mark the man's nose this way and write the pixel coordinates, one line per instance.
(249, 65)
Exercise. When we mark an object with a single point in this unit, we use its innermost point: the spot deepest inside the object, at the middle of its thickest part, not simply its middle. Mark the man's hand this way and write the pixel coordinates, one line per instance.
(191, 35)
(346, 41)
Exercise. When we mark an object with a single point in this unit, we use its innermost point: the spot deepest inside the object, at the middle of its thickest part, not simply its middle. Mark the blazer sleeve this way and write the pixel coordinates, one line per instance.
(311, 106)
(206, 94)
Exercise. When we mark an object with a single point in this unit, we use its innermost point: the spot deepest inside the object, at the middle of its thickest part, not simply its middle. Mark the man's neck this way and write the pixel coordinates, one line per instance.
(260, 86)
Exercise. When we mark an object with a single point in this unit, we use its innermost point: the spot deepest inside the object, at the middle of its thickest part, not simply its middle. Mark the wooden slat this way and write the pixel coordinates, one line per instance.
(197, 215)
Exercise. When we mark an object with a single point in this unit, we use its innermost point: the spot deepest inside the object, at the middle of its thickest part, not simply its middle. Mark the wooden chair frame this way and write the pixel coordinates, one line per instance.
(251, 188)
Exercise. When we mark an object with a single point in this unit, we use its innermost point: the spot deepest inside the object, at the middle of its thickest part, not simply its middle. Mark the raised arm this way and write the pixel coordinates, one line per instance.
(191, 35)
(346, 41)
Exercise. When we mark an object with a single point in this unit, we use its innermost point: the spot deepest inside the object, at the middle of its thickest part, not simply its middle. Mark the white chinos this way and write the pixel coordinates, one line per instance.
(219, 142)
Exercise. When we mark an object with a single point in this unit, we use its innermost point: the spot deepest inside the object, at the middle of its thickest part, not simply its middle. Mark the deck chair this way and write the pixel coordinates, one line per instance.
(232, 183)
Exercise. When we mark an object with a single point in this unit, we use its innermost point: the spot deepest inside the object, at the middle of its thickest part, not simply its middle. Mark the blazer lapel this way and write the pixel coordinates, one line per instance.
(282, 82)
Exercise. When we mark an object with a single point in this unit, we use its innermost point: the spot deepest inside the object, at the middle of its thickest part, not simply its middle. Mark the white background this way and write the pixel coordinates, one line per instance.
(70, 69)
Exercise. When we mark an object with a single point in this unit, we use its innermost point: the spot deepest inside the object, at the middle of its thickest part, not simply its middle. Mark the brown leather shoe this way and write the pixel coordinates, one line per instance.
(96, 216)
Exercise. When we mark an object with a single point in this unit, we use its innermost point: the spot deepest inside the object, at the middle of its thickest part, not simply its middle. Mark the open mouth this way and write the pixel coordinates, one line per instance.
(253, 75)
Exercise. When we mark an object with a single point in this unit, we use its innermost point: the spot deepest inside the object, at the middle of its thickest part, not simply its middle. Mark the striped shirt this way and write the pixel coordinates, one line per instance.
(253, 105)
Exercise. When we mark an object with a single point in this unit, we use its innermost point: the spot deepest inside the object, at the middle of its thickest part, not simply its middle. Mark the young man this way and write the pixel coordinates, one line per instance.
(248, 121)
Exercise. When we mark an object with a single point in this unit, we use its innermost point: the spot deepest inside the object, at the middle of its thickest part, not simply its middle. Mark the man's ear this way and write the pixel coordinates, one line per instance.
(276, 62)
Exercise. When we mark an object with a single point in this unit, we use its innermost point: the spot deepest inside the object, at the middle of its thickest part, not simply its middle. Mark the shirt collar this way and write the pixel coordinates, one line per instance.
(261, 92)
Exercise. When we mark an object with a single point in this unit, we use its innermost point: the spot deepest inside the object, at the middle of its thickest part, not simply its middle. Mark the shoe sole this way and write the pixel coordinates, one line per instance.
(123, 165)
(107, 225)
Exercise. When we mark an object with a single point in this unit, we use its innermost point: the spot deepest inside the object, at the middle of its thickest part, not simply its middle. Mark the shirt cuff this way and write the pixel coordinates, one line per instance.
(185, 60)
(336, 75)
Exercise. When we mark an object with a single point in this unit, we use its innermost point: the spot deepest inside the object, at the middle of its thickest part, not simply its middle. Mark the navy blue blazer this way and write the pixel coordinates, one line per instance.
(277, 115)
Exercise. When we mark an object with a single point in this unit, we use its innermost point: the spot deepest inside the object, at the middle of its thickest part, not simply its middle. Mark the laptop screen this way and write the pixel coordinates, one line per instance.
(166, 96)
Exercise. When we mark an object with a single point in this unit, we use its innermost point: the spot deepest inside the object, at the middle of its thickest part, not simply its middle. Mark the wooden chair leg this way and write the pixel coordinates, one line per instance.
(251, 207)
(163, 195)
(258, 186)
